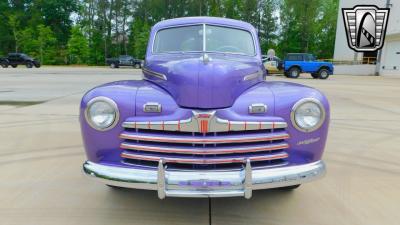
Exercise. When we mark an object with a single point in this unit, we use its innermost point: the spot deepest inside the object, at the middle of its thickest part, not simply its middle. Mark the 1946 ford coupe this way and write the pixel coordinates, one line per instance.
(203, 122)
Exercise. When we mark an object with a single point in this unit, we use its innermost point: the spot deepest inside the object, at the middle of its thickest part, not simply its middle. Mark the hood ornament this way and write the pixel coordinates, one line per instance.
(205, 58)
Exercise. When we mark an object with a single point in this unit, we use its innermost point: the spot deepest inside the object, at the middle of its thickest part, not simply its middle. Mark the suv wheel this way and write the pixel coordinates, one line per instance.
(323, 74)
(315, 75)
(29, 65)
(4, 64)
(137, 66)
(294, 72)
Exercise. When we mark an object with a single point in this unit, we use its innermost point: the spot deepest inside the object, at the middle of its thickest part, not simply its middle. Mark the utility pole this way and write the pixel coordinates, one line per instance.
(379, 56)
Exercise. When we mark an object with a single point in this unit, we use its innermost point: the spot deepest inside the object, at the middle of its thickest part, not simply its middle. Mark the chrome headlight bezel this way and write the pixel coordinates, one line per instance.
(299, 104)
(108, 101)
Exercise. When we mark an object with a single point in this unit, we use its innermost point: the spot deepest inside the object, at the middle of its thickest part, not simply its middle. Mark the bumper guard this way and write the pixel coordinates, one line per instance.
(204, 183)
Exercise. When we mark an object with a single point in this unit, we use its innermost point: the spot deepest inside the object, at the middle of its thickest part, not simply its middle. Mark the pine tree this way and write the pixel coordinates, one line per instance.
(78, 48)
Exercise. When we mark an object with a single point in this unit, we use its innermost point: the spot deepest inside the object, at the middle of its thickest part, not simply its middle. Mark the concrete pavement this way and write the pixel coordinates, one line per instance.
(41, 154)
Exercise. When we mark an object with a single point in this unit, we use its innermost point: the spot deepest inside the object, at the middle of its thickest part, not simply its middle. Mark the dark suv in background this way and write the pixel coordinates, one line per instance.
(124, 60)
(15, 59)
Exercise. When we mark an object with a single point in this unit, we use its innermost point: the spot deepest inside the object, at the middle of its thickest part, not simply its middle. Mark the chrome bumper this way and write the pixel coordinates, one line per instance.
(176, 183)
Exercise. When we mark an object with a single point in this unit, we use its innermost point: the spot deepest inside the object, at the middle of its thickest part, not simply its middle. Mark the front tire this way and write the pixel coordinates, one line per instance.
(137, 66)
(114, 187)
(315, 75)
(323, 74)
(29, 65)
(289, 188)
(4, 64)
(294, 72)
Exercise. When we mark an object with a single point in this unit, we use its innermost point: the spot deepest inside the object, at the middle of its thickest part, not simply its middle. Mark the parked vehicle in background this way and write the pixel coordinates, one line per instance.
(124, 60)
(4, 62)
(273, 64)
(15, 59)
(296, 63)
(203, 122)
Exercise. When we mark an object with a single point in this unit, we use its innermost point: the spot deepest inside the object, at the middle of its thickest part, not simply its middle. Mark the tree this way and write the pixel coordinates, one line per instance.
(139, 38)
(267, 30)
(111, 27)
(46, 42)
(13, 22)
(29, 43)
(326, 29)
(78, 48)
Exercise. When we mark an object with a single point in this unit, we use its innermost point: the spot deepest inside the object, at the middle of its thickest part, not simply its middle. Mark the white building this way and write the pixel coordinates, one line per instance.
(390, 56)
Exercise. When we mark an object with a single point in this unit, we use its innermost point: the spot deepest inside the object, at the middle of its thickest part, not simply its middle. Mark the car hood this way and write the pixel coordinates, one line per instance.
(197, 83)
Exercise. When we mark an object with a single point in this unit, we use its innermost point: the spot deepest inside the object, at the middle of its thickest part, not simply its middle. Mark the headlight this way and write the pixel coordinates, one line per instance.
(102, 113)
(308, 115)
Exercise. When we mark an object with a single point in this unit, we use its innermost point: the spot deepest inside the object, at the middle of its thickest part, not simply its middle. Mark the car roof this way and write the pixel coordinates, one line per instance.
(201, 20)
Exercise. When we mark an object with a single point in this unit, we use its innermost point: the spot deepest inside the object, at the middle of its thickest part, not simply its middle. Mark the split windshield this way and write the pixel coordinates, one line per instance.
(192, 39)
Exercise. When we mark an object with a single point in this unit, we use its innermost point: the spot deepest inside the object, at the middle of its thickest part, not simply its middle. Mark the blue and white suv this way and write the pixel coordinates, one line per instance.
(296, 63)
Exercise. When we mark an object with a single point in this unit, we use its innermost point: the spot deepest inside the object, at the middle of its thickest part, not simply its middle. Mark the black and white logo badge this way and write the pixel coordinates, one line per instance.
(365, 27)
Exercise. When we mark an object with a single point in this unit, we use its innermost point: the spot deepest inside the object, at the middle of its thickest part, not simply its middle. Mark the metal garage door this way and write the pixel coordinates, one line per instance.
(391, 63)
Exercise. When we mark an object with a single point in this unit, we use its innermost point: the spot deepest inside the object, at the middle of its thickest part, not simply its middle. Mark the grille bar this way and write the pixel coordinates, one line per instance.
(196, 124)
(204, 150)
(205, 161)
(205, 139)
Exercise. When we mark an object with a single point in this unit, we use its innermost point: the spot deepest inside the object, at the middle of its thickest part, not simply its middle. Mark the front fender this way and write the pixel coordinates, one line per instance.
(304, 147)
(104, 144)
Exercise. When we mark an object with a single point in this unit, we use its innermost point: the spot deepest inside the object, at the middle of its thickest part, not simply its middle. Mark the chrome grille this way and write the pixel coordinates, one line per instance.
(146, 143)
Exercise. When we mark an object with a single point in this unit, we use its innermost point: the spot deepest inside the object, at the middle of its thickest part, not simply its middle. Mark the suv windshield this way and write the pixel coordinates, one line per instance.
(191, 39)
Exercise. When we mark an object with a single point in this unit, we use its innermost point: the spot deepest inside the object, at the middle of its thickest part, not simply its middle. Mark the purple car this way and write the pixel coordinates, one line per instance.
(203, 122)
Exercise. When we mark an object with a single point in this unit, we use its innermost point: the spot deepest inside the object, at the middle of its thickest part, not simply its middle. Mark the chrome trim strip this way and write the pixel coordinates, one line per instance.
(252, 76)
(205, 140)
(217, 183)
(213, 124)
(204, 38)
(155, 74)
(192, 160)
(107, 100)
(301, 102)
(203, 151)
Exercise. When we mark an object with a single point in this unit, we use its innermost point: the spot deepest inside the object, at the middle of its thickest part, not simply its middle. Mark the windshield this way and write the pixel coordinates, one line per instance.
(191, 39)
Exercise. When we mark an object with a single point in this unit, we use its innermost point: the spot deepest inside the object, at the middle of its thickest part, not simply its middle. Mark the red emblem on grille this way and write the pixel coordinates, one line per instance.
(204, 126)
(202, 116)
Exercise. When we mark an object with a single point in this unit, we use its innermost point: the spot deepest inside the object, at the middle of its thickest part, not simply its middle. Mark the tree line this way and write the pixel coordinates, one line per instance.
(89, 31)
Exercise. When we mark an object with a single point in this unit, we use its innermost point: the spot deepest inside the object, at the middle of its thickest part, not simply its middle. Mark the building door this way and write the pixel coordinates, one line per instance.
(391, 61)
